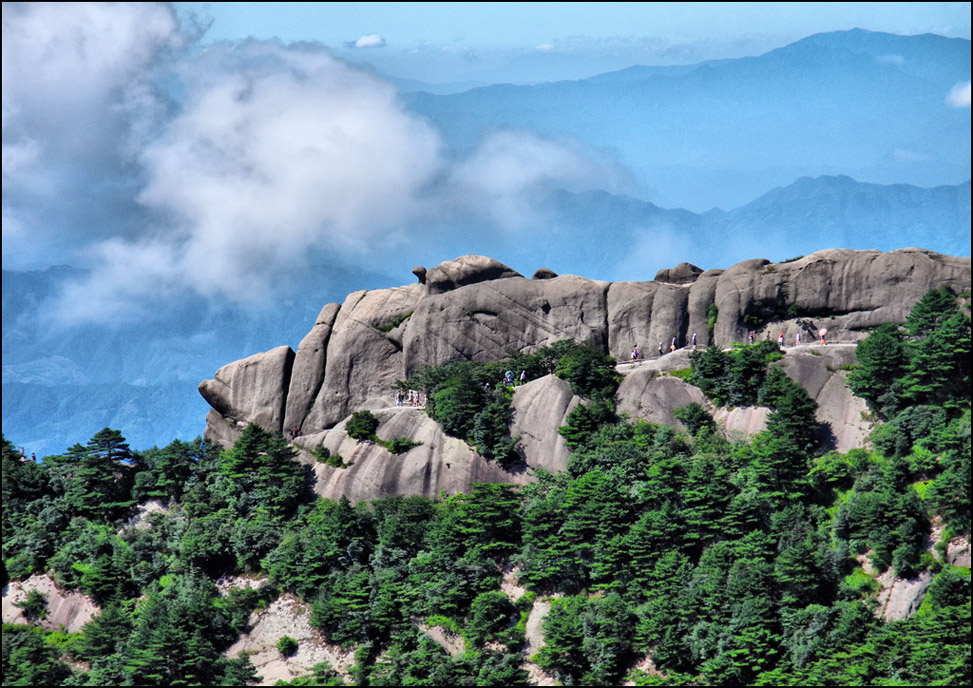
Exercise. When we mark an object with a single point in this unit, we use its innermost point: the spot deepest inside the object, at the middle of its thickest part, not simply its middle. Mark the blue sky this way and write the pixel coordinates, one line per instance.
(441, 42)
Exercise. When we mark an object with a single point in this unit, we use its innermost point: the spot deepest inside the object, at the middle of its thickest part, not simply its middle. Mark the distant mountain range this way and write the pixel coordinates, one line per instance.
(616, 237)
(863, 104)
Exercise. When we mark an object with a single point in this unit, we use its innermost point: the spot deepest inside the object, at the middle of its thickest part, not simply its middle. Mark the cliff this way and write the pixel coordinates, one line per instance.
(475, 308)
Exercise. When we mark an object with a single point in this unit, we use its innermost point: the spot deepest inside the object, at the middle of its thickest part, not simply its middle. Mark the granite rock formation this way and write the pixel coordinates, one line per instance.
(475, 308)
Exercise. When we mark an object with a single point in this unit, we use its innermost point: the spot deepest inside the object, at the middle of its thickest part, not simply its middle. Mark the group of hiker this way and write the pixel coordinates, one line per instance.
(751, 338)
(508, 379)
(410, 397)
(637, 355)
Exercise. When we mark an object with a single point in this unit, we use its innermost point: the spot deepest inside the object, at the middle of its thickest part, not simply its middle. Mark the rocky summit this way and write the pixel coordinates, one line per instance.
(475, 308)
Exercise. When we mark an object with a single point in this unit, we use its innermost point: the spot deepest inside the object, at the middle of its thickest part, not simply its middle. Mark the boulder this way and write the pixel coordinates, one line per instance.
(543, 274)
(253, 390)
(540, 407)
(684, 273)
(466, 270)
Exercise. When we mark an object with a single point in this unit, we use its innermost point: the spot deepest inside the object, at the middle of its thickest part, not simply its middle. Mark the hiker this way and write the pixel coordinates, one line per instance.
(797, 339)
(751, 337)
(694, 341)
(780, 340)
(672, 347)
(635, 354)
(661, 352)
(523, 376)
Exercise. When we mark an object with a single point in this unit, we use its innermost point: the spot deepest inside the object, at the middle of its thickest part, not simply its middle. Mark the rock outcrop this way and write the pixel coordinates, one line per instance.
(254, 389)
(69, 610)
(287, 616)
(475, 308)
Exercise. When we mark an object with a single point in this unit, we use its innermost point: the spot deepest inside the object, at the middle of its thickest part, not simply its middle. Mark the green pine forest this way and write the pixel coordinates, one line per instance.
(725, 563)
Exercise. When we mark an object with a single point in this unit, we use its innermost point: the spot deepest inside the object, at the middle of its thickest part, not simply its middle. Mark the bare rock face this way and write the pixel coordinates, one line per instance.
(647, 315)
(466, 270)
(288, 616)
(741, 422)
(482, 322)
(702, 296)
(308, 371)
(441, 463)
(958, 552)
(65, 610)
(818, 369)
(363, 359)
(253, 389)
(652, 397)
(842, 290)
(900, 598)
(541, 407)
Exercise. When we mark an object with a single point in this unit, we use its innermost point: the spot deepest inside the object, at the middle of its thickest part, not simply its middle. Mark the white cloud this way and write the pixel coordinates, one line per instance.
(229, 166)
(69, 70)
(278, 151)
(77, 80)
(503, 175)
(370, 40)
(959, 96)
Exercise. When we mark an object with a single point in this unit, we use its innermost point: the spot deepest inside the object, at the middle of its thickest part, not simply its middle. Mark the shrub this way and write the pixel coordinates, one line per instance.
(400, 445)
(694, 417)
(287, 646)
(35, 606)
(362, 425)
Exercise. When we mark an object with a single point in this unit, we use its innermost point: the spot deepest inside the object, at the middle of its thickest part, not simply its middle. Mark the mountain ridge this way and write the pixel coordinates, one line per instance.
(476, 309)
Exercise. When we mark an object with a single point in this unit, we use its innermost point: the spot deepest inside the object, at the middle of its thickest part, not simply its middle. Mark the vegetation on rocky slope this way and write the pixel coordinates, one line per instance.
(725, 562)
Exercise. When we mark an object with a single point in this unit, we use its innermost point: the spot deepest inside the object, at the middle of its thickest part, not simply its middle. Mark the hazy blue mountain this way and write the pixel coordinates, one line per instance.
(62, 385)
(708, 135)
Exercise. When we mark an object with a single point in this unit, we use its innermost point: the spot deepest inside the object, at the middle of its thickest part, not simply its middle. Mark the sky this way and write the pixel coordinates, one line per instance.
(147, 141)
(490, 41)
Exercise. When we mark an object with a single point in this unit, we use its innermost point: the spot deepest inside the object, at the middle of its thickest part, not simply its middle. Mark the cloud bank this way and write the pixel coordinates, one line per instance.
(215, 170)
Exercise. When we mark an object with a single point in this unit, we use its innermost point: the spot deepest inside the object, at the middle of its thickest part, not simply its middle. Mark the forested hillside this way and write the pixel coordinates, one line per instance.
(666, 557)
